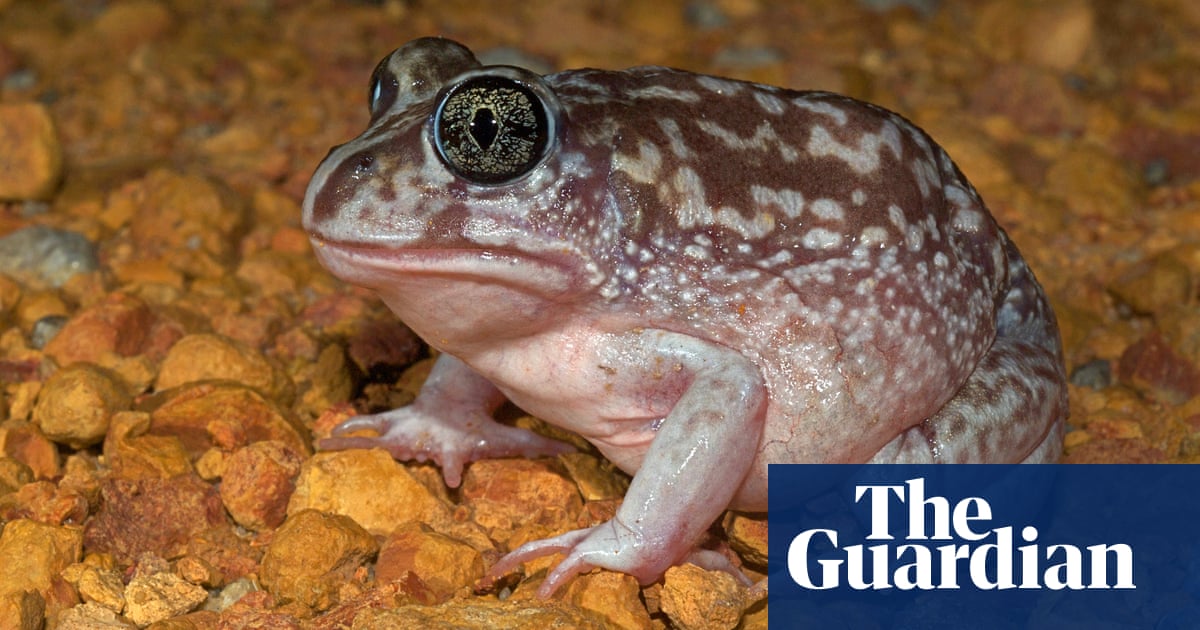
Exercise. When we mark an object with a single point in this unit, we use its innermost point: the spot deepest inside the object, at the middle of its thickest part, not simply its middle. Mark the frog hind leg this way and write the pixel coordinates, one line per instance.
(1014, 405)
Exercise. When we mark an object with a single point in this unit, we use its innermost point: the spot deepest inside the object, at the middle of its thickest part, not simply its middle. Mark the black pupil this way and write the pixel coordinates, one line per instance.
(484, 128)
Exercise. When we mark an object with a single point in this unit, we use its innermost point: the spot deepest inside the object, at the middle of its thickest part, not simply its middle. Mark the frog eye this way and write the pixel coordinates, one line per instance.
(495, 125)
(383, 90)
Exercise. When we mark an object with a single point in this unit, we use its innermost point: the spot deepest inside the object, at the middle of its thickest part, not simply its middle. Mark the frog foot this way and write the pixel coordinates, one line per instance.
(614, 546)
(410, 433)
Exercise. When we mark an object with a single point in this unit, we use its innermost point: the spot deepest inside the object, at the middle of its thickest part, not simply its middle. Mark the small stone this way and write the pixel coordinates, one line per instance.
(1093, 183)
(127, 25)
(190, 221)
(312, 555)
(323, 383)
(233, 594)
(1156, 172)
(247, 599)
(1180, 328)
(23, 374)
(119, 324)
(37, 305)
(1153, 367)
(13, 475)
(102, 586)
(384, 347)
(203, 356)
(1154, 286)
(337, 314)
(368, 486)
(148, 563)
(1035, 99)
(82, 474)
(152, 515)
(45, 329)
(44, 257)
(133, 455)
(296, 344)
(197, 571)
(232, 557)
(705, 15)
(598, 479)
(507, 495)
(747, 536)
(1058, 34)
(242, 149)
(254, 328)
(43, 502)
(92, 616)
(258, 482)
(211, 465)
(756, 614)
(77, 403)
(413, 378)
(274, 273)
(142, 271)
(1096, 374)
(225, 414)
(386, 594)
(445, 565)
(159, 597)
(694, 598)
(25, 442)
(21, 368)
(615, 596)
(1166, 153)
(33, 556)
(31, 161)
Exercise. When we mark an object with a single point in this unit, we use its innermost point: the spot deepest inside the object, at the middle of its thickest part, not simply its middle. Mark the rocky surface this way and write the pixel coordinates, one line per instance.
(169, 347)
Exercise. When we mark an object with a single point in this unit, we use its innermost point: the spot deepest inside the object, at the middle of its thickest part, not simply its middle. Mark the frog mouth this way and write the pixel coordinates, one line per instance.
(383, 268)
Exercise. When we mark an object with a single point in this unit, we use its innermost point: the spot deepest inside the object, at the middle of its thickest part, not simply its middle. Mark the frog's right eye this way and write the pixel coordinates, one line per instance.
(495, 125)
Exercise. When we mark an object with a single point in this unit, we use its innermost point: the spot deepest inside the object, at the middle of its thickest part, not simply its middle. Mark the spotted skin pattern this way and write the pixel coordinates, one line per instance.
(701, 277)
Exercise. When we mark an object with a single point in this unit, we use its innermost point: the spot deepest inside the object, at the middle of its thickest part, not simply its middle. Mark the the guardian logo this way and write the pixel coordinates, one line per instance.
(947, 546)
(984, 546)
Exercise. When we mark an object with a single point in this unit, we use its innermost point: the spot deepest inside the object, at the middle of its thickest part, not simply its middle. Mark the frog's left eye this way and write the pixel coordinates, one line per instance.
(383, 90)
(495, 125)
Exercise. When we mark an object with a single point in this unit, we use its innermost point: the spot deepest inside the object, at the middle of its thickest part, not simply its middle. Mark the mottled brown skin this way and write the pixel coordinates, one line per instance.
(700, 276)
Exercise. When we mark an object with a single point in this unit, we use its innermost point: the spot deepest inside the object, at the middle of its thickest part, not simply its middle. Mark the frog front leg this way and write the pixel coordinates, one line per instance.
(696, 462)
(450, 423)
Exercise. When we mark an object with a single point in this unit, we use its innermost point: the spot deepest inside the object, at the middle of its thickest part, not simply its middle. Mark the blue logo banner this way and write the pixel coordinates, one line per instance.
(984, 546)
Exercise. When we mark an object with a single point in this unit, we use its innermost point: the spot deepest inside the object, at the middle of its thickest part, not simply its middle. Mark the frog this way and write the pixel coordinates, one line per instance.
(699, 276)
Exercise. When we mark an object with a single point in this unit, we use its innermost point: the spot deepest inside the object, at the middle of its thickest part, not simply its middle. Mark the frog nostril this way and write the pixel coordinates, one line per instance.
(365, 164)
